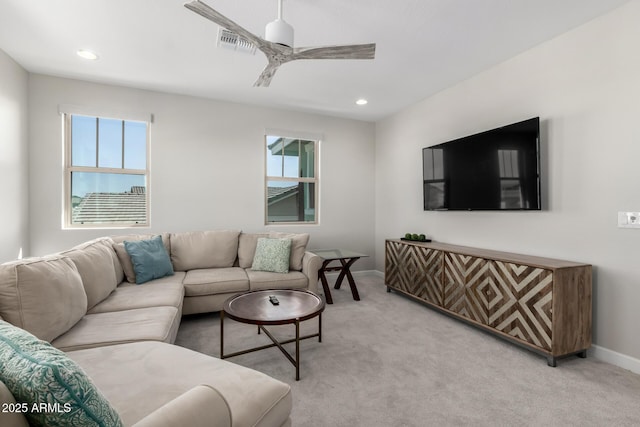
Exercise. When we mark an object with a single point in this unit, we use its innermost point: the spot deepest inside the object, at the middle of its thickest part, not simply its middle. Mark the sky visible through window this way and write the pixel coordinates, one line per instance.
(101, 144)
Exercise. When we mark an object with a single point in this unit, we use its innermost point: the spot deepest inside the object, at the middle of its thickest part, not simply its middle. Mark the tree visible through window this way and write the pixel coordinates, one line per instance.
(291, 181)
(106, 172)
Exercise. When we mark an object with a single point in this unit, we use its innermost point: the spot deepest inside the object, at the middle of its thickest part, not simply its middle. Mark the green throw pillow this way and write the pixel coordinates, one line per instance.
(54, 389)
(272, 255)
(149, 258)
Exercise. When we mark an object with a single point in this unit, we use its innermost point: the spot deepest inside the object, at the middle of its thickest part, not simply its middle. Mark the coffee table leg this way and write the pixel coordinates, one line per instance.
(222, 334)
(297, 350)
(320, 327)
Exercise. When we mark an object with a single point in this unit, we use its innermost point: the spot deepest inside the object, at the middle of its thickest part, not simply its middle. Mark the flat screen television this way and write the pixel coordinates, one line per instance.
(494, 170)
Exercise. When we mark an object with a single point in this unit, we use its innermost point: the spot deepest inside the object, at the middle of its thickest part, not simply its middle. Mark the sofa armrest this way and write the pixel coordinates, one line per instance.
(200, 406)
(311, 263)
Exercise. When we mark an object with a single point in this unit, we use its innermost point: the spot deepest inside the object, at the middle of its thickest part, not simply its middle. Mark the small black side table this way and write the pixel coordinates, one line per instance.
(346, 259)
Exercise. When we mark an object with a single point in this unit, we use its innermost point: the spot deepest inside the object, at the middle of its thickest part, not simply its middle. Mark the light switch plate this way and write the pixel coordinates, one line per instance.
(629, 219)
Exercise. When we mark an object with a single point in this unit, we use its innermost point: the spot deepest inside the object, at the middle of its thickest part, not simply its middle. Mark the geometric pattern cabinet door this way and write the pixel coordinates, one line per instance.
(466, 283)
(521, 302)
(414, 270)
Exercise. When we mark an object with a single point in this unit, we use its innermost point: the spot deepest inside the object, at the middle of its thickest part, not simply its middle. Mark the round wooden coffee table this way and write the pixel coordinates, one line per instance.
(256, 308)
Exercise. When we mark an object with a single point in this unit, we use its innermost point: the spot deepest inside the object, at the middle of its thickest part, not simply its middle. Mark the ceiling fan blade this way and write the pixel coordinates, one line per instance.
(267, 74)
(208, 12)
(354, 51)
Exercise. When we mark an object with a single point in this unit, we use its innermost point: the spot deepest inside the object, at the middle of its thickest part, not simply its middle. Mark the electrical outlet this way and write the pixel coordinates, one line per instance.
(629, 219)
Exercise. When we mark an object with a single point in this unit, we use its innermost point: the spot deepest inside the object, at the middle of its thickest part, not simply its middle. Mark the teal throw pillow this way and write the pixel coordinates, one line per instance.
(149, 258)
(272, 255)
(53, 389)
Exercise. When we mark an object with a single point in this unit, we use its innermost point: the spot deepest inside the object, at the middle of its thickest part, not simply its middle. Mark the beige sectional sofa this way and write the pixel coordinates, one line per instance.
(85, 302)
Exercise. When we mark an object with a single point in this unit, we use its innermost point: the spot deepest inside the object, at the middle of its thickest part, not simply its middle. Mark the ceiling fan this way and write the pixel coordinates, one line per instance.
(277, 44)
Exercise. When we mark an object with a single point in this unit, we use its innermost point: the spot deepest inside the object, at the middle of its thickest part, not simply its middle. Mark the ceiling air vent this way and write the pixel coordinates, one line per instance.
(230, 40)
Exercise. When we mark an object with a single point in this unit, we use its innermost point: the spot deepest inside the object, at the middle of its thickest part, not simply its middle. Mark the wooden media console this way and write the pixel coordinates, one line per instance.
(540, 303)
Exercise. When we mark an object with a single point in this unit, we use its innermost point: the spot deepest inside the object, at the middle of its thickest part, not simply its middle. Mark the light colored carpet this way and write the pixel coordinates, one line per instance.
(389, 361)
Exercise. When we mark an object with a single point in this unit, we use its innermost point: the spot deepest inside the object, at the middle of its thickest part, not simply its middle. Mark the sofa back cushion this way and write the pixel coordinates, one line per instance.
(204, 249)
(44, 296)
(247, 248)
(96, 261)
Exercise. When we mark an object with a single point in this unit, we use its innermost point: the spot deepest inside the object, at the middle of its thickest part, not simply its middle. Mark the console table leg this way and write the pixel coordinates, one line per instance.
(582, 354)
(346, 271)
(325, 285)
(551, 361)
(352, 284)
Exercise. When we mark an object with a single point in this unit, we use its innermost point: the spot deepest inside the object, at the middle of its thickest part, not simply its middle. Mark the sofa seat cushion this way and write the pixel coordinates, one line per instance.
(167, 291)
(103, 329)
(268, 280)
(44, 296)
(37, 373)
(215, 281)
(139, 378)
(204, 249)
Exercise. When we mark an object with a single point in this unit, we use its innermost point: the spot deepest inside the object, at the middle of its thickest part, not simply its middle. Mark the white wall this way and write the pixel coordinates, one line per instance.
(207, 165)
(585, 86)
(14, 178)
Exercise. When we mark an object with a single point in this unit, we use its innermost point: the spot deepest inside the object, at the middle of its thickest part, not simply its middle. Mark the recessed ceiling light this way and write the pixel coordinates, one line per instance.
(362, 101)
(87, 54)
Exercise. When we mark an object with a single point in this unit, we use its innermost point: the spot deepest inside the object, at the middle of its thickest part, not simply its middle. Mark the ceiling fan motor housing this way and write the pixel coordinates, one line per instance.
(279, 31)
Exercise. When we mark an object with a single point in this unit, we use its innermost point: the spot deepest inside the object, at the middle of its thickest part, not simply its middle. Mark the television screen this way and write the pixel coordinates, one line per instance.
(494, 170)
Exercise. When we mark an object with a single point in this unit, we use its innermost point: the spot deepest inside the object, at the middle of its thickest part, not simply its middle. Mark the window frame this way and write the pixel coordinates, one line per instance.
(315, 180)
(69, 169)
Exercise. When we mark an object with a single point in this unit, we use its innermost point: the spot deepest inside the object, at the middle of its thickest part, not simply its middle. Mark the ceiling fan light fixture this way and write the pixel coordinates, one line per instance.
(230, 40)
(279, 31)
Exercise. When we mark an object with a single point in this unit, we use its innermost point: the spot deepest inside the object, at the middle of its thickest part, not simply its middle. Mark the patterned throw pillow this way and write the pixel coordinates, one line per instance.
(272, 255)
(53, 388)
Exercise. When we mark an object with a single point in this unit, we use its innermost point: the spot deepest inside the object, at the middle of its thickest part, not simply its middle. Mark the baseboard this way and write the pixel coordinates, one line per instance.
(621, 360)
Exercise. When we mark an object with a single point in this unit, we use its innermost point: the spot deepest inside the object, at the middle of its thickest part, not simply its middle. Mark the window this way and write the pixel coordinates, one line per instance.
(291, 184)
(511, 196)
(434, 186)
(106, 172)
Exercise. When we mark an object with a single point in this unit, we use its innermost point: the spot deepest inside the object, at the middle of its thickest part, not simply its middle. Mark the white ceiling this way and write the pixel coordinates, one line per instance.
(423, 46)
